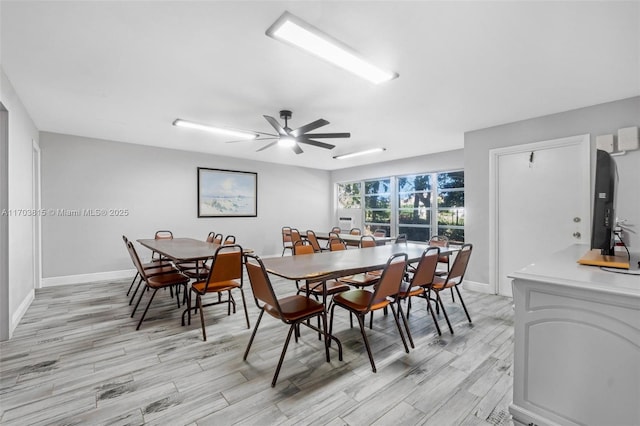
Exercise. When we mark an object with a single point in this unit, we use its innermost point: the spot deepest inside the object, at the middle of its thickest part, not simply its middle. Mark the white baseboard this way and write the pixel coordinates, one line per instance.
(22, 309)
(476, 286)
(88, 278)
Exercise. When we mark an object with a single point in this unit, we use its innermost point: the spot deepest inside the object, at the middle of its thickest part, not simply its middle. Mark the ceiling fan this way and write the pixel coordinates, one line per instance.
(293, 137)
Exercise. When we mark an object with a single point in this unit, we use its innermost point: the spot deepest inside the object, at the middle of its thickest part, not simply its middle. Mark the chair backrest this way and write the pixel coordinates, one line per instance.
(401, 238)
(336, 229)
(260, 283)
(440, 241)
(303, 247)
(392, 275)
(355, 231)
(426, 269)
(136, 259)
(367, 241)
(164, 235)
(211, 237)
(286, 234)
(226, 265)
(218, 239)
(295, 236)
(313, 240)
(337, 244)
(459, 267)
(229, 240)
(379, 233)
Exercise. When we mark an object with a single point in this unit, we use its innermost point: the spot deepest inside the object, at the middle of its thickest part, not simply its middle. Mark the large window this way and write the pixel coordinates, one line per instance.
(419, 205)
(377, 205)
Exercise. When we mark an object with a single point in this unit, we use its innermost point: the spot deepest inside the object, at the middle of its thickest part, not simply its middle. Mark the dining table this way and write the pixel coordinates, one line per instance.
(329, 265)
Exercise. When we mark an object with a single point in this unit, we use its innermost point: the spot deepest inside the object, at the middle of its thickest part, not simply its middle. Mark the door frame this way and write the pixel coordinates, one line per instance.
(37, 218)
(583, 141)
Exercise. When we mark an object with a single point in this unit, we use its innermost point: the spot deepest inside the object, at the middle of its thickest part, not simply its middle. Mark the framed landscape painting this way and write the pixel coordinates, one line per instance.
(227, 193)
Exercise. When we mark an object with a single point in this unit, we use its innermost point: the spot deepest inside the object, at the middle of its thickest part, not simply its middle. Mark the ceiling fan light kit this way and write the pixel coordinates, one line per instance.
(290, 29)
(178, 122)
(358, 153)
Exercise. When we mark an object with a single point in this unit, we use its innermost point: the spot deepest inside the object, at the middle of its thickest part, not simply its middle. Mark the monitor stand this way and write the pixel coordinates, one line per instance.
(594, 258)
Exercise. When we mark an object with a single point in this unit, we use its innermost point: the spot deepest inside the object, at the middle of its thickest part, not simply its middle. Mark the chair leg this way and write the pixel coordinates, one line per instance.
(406, 324)
(433, 315)
(326, 337)
(199, 304)
(253, 335)
(135, 291)
(366, 341)
(439, 299)
(147, 308)
(463, 305)
(396, 315)
(132, 282)
(138, 302)
(244, 304)
(284, 350)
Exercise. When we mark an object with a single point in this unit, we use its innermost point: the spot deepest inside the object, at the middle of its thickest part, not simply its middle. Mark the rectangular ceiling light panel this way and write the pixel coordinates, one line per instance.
(293, 30)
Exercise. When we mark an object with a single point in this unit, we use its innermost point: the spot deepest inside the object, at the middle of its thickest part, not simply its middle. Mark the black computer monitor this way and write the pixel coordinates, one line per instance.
(604, 204)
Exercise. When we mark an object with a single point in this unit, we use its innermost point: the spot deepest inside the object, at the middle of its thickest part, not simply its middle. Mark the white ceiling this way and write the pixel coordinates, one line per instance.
(124, 70)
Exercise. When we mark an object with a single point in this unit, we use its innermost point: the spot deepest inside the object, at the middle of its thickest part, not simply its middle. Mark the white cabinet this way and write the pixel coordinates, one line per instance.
(577, 344)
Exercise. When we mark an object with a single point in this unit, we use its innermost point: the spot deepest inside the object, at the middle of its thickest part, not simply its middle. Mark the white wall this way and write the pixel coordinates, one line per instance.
(158, 188)
(597, 120)
(22, 134)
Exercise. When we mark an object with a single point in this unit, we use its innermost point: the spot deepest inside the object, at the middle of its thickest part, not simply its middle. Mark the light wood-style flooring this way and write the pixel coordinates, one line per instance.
(76, 359)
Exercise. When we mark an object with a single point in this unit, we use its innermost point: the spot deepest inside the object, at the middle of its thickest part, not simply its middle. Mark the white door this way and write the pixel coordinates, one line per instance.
(541, 202)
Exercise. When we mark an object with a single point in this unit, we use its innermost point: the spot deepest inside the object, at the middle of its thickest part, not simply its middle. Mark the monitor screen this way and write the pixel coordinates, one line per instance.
(604, 203)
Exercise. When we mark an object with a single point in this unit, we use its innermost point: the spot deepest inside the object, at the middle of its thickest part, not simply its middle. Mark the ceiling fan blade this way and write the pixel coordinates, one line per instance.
(328, 135)
(308, 141)
(281, 131)
(296, 148)
(267, 146)
(308, 127)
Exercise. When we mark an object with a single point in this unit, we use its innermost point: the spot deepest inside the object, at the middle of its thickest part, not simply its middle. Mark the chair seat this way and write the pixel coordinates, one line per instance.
(152, 272)
(294, 308)
(215, 287)
(358, 300)
(406, 290)
(440, 283)
(332, 286)
(165, 280)
(156, 264)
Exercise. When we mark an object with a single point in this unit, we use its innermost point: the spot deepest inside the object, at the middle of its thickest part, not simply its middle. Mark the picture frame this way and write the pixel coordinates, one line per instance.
(227, 193)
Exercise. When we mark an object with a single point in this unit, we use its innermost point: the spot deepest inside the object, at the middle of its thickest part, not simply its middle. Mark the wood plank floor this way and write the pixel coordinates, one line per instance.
(76, 359)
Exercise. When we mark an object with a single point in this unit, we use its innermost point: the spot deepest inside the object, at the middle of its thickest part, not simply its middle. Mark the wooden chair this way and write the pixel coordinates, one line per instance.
(336, 243)
(442, 242)
(286, 239)
(379, 233)
(155, 282)
(420, 285)
(355, 231)
(453, 279)
(292, 310)
(218, 239)
(401, 238)
(225, 275)
(313, 240)
(197, 270)
(315, 288)
(360, 302)
(149, 266)
(161, 235)
(229, 240)
(336, 229)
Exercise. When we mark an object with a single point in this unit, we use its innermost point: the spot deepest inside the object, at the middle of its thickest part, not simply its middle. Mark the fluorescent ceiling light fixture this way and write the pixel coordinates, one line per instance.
(355, 154)
(295, 31)
(213, 129)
